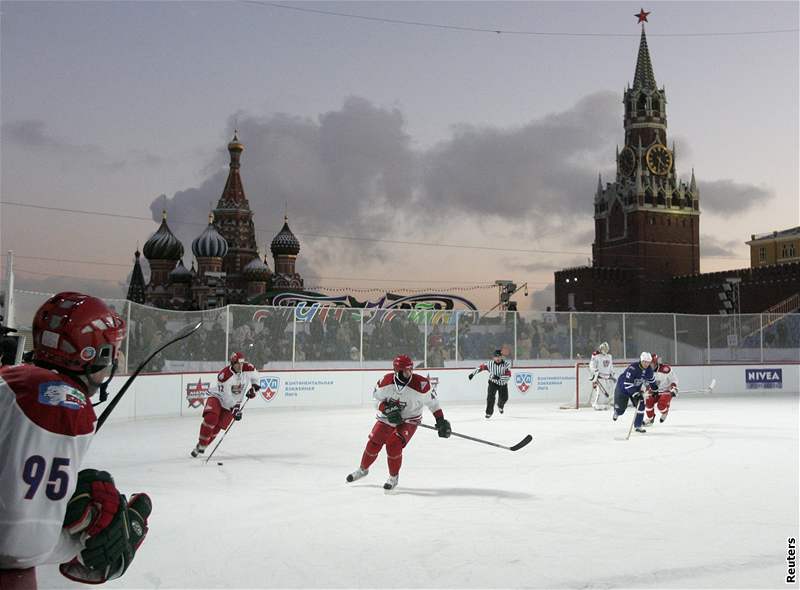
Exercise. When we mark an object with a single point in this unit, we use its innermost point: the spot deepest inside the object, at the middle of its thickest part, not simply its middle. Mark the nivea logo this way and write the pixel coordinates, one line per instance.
(763, 378)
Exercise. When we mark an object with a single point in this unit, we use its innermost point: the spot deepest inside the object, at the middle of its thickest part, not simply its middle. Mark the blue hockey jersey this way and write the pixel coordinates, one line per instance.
(634, 377)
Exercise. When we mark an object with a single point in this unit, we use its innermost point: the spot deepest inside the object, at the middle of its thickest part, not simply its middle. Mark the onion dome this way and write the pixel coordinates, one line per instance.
(210, 244)
(163, 245)
(235, 145)
(285, 243)
(180, 274)
(256, 270)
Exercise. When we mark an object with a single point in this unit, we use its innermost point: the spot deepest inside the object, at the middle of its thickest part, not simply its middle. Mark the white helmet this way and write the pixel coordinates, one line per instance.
(603, 348)
(646, 357)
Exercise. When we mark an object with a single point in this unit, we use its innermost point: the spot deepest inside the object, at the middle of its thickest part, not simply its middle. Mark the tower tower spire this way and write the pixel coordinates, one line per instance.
(643, 77)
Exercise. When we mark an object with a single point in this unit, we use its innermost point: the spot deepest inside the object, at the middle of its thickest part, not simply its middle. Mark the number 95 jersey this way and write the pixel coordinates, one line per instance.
(46, 424)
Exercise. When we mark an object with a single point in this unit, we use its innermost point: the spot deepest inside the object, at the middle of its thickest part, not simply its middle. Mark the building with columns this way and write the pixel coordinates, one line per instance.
(228, 267)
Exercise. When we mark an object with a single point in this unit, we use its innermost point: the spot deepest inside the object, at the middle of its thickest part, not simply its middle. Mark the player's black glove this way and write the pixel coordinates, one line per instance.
(392, 413)
(471, 375)
(237, 412)
(251, 393)
(109, 553)
(93, 505)
(636, 398)
(443, 426)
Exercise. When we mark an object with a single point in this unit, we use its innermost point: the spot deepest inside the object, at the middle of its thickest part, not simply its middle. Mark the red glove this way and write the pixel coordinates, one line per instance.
(94, 503)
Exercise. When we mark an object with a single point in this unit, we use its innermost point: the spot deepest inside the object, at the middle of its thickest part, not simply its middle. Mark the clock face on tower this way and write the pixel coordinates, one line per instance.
(627, 161)
(659, 159)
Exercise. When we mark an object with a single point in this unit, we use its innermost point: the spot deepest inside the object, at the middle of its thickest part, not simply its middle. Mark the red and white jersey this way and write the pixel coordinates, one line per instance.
(231, 386)
(46, 425)
(601, 364)
(665, 378)
(411, 397)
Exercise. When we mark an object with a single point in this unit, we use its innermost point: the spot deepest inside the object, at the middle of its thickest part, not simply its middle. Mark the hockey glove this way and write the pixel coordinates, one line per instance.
(237, 412)
(393, 416)
(108, 554)
(470, 376)
(93, 505)
(252, 392)
(674, 391)
(443, 426)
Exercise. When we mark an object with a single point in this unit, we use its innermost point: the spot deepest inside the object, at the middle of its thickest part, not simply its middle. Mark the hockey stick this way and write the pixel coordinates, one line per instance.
(636, 412)
(188, 331)
(708, 389)
(528, 438)
(221, 438)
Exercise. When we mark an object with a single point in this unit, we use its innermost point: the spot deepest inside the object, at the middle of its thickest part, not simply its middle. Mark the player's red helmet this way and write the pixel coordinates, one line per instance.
(77, 332)
(237, 357)
(656, 361)
(402, 362)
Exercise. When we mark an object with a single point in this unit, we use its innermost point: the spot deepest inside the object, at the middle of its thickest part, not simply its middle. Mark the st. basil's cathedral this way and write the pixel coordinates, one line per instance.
(229, 269)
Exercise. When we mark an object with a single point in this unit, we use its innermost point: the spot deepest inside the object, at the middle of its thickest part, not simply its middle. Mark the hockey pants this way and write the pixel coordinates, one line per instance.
(502, 397)
(394, 437)
(660, 401)
(215, 418)
(621, 399)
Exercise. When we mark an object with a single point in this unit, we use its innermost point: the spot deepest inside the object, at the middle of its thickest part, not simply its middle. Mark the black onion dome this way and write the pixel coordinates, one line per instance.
(180, 274)
(163, 245)
(256, 270)
(285, 242)
(210, 244)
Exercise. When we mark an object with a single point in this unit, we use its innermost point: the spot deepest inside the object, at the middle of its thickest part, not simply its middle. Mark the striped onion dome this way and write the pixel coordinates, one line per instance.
(210, 244)
(180, 274)
(256, 270)
(285, 242)
(163, 245)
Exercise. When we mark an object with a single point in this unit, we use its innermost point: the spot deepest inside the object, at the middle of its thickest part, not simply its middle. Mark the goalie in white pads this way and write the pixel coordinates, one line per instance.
(601, 370)
(666, 389)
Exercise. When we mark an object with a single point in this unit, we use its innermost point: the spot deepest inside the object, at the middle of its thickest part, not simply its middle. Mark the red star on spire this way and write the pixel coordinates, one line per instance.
(642, 16)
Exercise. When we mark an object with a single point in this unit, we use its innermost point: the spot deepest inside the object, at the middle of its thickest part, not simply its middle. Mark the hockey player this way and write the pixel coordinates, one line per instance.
(499, 373)
(601, 370)
(666, 388)
(51, 510)
(223, 405)
(400, 396)
(630, 386)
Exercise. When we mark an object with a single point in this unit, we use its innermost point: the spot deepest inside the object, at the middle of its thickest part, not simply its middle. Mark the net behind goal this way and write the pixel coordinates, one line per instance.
(582, 396)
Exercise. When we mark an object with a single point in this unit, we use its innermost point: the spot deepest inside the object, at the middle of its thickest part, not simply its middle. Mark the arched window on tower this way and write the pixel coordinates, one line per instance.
(641, 106)
(648, 197)
(662, 199)
(616, 221)
(656, 106)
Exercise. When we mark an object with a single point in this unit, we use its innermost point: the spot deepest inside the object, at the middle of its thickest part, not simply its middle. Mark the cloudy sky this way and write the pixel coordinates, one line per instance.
(429, 155)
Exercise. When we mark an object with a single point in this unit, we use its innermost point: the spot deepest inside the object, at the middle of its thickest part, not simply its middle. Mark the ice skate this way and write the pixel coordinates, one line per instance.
(649, 421)
(357, 474)
(615, 416)
(391, 483)
(640, 429)
(663, 417)
(198, 450)
(501, 410)
(488, 416)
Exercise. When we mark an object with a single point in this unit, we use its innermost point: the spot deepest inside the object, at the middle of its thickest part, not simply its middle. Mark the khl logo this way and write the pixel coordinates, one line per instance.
(269, 387)
(523, 381)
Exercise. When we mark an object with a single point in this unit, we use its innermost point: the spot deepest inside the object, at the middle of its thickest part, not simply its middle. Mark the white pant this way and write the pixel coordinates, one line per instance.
(599, 399)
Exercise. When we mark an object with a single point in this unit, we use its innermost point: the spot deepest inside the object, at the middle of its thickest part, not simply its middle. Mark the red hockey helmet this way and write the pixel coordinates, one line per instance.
(402, 362)
(77, 332)
(237, 357)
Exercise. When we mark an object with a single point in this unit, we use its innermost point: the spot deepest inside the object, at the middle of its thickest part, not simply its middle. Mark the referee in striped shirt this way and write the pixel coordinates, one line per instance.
(499, 373)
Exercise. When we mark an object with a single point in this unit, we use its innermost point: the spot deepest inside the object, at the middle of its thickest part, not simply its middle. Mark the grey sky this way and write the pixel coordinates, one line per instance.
(381, 130)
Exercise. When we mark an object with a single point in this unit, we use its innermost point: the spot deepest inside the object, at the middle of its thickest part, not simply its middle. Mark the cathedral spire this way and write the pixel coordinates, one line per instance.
(233, 194)
(644, 77)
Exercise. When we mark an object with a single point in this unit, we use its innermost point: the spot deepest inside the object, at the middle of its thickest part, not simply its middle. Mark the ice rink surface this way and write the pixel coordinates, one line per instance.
(705, 500)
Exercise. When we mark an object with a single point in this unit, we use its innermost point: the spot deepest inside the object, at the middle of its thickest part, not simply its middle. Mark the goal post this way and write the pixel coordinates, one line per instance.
(582, 395)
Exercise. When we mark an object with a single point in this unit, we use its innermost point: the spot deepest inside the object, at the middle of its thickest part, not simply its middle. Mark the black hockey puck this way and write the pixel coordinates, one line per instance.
(219, 462)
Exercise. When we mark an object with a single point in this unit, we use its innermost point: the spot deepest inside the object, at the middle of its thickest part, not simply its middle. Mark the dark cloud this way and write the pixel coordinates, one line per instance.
(544, 298)
(552, 264)
(32, 133)
(728, 198)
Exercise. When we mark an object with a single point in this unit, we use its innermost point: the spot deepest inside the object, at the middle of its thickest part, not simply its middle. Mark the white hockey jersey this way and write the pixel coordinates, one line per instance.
(46, 425)
(666, 381)
(602, 365)
(411, 397)
(232, 386)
